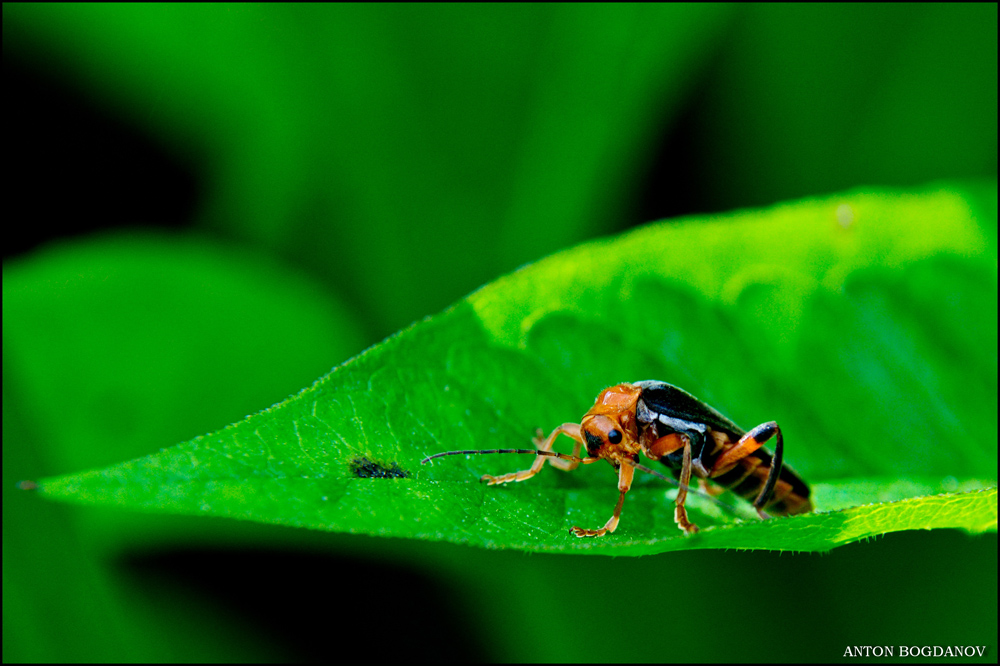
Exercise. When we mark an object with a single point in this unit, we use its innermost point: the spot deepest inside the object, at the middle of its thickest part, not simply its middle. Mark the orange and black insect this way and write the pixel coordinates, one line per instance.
(669, 424)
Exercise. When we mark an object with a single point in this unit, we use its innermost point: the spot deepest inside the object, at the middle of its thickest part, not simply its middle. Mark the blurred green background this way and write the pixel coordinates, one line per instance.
(210, 206)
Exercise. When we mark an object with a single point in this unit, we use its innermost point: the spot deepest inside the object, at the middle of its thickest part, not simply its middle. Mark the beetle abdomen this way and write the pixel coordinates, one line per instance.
(748, 476)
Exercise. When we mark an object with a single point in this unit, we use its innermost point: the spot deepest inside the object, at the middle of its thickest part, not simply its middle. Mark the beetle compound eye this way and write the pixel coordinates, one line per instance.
(614, 437)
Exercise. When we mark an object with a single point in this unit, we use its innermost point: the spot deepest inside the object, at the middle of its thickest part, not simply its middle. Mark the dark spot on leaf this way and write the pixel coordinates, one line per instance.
(366, 469)
(27, 485)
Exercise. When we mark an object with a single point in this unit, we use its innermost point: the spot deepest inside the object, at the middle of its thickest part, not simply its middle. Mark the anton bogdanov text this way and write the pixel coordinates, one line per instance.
(915, 650)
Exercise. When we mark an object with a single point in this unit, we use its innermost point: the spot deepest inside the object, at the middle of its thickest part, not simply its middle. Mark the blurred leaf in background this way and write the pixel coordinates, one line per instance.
(336, 172)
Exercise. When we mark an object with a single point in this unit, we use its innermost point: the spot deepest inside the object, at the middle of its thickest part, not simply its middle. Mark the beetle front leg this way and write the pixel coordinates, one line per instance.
(559, 463)
(625, 474)
(568, 429)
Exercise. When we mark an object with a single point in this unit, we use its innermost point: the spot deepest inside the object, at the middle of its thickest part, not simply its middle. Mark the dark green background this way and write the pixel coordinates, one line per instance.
(211, 206)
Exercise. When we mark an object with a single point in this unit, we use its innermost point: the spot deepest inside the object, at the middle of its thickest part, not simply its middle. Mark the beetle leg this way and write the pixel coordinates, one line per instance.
(749, 443)
(558, 463)
(680, 513)
(569, 429)
(767, 431)
(625, 474)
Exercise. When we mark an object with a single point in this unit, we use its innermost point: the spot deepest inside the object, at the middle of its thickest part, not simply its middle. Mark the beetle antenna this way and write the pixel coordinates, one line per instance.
(545, 454)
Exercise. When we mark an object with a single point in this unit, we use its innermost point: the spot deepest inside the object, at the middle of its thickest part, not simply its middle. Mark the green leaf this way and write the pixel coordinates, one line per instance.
(864, 323)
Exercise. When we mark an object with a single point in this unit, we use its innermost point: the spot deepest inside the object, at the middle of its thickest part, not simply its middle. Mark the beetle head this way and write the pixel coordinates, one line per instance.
(609, 427)
(601, 435)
